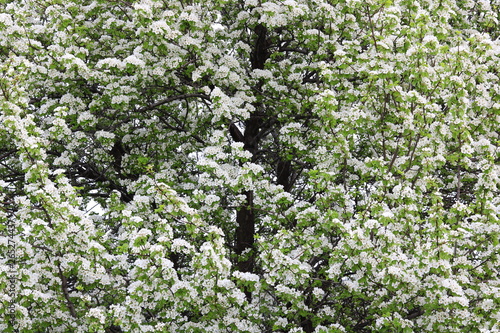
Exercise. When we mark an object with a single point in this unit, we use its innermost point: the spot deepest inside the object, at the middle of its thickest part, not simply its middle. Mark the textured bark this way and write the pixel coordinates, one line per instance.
(245, 217)
(245, 234)
(283, 173)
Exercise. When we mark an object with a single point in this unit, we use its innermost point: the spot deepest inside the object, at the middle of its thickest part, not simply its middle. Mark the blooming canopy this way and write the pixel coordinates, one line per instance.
(249, 166)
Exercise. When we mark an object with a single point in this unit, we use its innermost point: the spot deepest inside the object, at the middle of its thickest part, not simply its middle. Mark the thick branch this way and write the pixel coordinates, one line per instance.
(245, 233)
(235, 133)
(414, 314)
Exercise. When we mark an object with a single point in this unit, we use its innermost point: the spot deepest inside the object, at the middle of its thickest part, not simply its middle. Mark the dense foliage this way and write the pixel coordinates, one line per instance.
(250, 165)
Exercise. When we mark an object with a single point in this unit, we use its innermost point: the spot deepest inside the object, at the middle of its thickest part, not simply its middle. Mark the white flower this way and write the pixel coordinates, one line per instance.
(318, 292)
(98, 314)
(428, 39)
(132, 59)
(225, 283)
(387, 213)
(104, 134)
(466, 149)
(245, 276)
(110, 62)
(141, 263)
(452, 285)
(119, 99)
(370, 224)
(181, 245)
(210, 199)
(251, 3)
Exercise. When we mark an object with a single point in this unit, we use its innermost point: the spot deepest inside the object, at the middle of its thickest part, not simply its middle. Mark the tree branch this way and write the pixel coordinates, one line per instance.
(414, 314)
(64, 288)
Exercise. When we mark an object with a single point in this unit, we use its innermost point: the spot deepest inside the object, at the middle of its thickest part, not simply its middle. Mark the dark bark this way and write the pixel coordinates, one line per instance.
(113, 329)
(65, 290)
(415, 314)
(91, 172)
(260, 51)
(307, 326)
(236, 133)
(117, 151)
(245, 217)
(245, 234)
(283, 173)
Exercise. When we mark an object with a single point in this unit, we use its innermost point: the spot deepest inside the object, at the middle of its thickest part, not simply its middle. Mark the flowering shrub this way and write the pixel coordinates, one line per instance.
(249, 166)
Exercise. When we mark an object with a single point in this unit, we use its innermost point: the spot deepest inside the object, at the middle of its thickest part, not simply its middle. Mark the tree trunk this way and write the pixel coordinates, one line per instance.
(245, 217)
